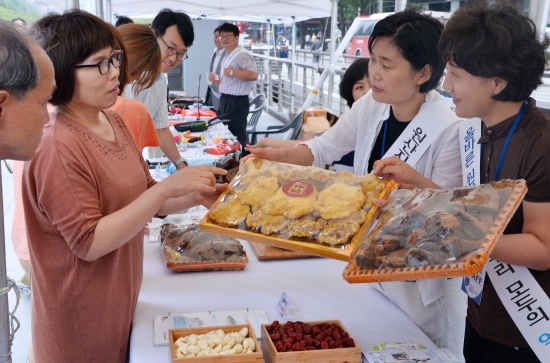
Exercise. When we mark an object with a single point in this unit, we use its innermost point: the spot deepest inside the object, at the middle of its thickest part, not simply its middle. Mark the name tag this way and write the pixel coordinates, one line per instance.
(473, 286)
(283, 305)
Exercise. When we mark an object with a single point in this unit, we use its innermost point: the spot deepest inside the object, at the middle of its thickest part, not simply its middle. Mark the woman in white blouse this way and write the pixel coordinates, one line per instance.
(404, 70)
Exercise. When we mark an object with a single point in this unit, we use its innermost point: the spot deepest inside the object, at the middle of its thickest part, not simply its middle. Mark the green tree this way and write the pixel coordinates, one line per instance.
(10, 9)
(348, 10)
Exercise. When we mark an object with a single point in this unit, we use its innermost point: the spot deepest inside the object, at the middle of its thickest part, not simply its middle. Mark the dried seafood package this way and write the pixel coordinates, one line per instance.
(298, 208)
(190, 249)
(436, 233)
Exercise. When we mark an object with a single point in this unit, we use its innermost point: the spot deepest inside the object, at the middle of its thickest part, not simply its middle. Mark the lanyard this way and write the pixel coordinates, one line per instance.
(384, 139)
(507, 142)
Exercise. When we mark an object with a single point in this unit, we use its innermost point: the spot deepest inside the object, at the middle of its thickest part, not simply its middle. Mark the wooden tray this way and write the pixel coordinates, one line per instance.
(256, 357)
(190, 231)
(338, 253)
(269, 253)
(196, 266)
(338, 355)
(469, 266)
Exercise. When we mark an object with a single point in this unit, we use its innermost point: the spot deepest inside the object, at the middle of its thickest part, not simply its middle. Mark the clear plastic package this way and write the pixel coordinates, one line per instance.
(436, 233)
(299, 208)
(188, 248)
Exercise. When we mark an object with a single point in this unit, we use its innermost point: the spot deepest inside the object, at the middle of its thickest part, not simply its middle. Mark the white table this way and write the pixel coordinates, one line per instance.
(315, 286)
(194, 153)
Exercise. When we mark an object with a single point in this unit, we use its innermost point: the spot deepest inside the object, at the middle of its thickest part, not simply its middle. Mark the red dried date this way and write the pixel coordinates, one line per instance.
(297, 336)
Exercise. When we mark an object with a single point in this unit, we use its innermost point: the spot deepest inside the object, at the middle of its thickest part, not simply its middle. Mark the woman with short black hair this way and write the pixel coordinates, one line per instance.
(496, 59)
(355, 81)
(401, 108)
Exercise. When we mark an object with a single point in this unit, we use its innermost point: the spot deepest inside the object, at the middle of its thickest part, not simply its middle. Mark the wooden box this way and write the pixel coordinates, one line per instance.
(256, 357)
(338, 355)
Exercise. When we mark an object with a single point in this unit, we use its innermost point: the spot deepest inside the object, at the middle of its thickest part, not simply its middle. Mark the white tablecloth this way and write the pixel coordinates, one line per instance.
(315, 286)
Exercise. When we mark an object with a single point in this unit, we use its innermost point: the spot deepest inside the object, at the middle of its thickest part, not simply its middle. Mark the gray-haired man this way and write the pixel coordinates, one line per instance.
(26, 84)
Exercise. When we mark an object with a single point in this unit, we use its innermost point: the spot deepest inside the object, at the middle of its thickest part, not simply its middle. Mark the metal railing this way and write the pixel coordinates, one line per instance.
(287, 85)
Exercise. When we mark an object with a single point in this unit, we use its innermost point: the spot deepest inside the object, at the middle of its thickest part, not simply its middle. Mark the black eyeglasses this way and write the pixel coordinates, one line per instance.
(105, 64)
(171, 51)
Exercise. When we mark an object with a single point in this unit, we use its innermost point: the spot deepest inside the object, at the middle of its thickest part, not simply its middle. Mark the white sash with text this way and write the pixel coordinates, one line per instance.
(417, 137)
(524, 299)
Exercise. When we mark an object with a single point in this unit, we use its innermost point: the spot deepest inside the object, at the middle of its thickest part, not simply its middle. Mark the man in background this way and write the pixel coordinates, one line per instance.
(236, 81)
(213, 92)
(282, 44)
(316, 47)
(175, 34)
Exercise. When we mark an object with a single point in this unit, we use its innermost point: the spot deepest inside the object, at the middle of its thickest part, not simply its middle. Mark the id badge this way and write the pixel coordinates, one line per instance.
(473, 286)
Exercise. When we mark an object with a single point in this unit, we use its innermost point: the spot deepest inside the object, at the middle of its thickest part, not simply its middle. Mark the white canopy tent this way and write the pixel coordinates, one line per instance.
(261, 8)
(308, 8)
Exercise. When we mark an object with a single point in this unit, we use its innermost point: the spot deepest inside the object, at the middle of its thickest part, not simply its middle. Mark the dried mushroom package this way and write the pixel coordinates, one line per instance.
(191, 249)
(436, 233)
(285, 202)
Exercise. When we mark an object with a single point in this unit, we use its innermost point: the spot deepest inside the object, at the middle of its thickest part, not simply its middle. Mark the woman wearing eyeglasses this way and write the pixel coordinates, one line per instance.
(87, 195)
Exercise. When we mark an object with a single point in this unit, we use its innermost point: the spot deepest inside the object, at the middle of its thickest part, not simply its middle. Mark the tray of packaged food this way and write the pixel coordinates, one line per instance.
(315, 341)
(430, 233)
(223, 344)
(297, 208)
(188, 248)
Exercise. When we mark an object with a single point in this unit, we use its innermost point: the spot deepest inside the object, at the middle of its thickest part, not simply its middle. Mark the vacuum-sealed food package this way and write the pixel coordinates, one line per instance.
(188, 248)
(298, 208)
(436, 233)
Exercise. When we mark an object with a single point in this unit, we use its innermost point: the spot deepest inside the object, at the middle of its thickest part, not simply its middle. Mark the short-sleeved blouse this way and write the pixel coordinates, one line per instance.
(82, 311)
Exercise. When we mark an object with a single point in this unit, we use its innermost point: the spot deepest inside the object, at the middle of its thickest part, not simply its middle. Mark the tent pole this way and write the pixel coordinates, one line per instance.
(268, 71)
(319, 83)
(5, 355)
(333, 27)
(108, 13)
(400, 5)
(292, 66)
(99, 8)
(539, 15)
(72, 4)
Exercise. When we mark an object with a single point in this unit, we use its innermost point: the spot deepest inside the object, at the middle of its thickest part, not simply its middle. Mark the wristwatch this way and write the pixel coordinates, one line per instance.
(181, 160)
(231, 72)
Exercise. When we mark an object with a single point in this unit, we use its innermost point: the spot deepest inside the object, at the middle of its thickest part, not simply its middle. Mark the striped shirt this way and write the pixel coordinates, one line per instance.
(155, 99)
(241, 62)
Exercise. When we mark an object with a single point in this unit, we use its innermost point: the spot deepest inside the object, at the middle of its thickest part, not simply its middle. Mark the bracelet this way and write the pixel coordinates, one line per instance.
(180, 160)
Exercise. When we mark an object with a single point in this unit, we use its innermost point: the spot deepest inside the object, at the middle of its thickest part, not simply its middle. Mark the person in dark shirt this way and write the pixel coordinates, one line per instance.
(317, 48)
(495, 60)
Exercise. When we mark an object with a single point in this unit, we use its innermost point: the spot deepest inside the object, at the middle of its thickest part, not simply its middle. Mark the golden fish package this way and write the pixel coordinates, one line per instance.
(288, 203)
(436, 233)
